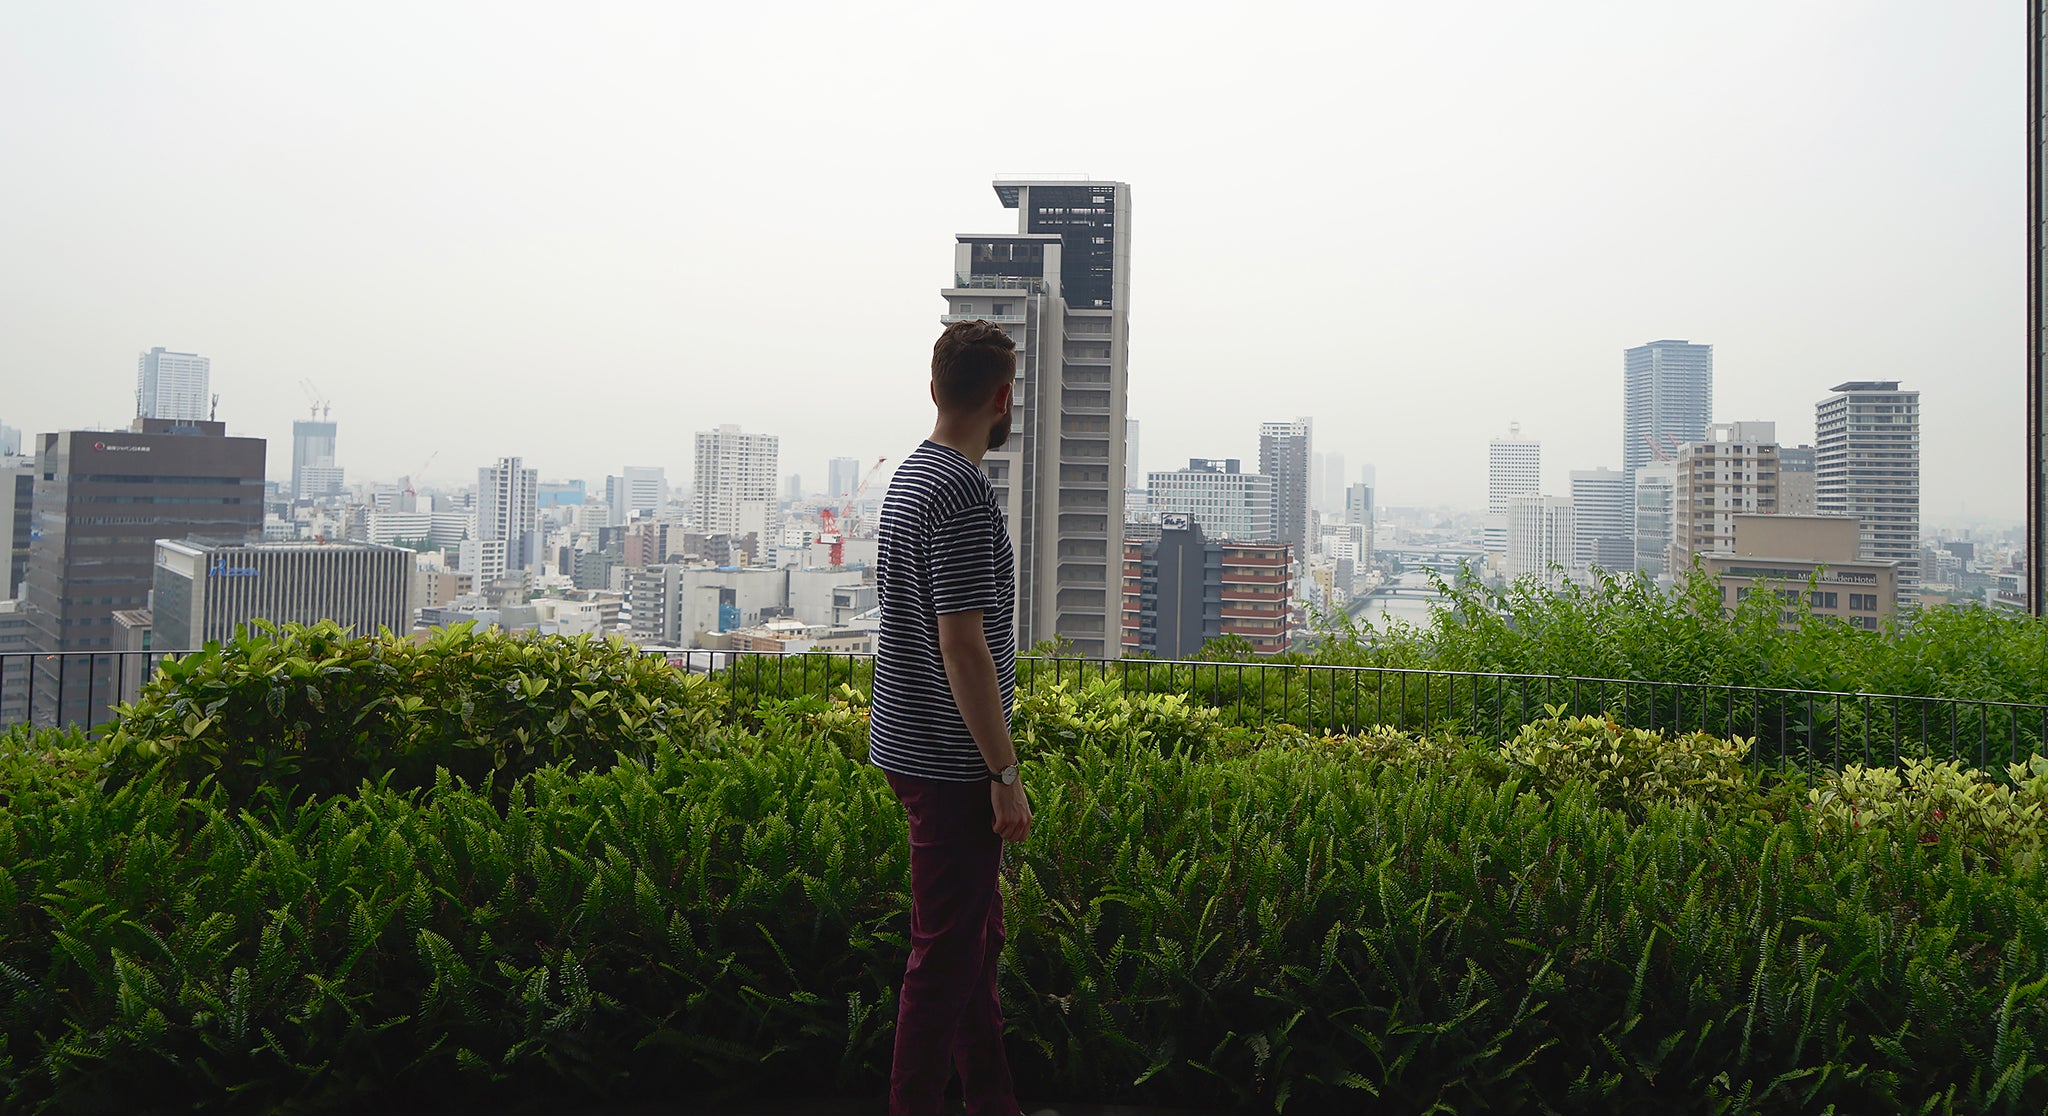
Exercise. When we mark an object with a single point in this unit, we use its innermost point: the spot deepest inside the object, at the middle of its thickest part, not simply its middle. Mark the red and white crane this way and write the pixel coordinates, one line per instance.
(828, 520)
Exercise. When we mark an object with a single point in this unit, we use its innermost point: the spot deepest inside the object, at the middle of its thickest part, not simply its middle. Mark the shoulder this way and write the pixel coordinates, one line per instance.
(948, 481)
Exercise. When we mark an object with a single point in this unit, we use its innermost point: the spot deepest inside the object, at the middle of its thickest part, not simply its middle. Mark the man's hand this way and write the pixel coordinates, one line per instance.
(1013, 810)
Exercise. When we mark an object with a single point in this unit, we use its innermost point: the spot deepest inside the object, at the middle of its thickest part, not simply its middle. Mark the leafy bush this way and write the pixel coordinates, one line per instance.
(1927, 801)
(1276, 930)
(314, 710)
(1629, 768)
(1099, 712)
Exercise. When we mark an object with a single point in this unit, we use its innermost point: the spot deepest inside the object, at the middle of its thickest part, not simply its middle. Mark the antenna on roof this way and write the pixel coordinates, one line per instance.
(213, 412)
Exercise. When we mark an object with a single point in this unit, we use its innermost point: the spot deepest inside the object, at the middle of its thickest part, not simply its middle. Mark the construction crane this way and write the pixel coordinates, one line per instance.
(321, 407)
(828, 520)
(419, 472)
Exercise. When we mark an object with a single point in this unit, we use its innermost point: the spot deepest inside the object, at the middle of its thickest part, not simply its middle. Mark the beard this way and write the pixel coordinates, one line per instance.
(999, 433)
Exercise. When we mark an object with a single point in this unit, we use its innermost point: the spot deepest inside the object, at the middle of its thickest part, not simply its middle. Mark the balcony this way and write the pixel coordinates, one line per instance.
(999, 319)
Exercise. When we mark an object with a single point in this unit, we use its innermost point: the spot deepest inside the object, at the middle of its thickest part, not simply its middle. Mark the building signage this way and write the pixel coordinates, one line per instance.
(222, 569)
(120, 449)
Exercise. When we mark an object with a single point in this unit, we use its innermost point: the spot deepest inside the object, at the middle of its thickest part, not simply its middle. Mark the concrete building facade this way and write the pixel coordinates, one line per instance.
(1514, 468)
(1815, 557)
(1223, 501)
(736, 482)
(1667, 400)
(1287, 454)
(1543, 540)
(1796, 491)
(102, 500)
(173, 386)
(1734, 471)
(1867, 467)
(203, 592)
(1602, 509)
(507, 514)
(1182, 590)
(1060, 287)
(1656, 516)
(314, 473)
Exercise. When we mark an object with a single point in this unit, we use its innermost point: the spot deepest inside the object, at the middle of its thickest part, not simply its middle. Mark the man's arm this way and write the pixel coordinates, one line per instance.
(971, 673)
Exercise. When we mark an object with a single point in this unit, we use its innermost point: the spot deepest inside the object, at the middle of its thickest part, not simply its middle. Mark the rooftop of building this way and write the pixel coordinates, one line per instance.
(1009, 186)
(1867, 385)
(204, 546)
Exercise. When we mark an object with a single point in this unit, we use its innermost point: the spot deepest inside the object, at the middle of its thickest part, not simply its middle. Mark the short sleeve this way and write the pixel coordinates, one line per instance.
(963, 561)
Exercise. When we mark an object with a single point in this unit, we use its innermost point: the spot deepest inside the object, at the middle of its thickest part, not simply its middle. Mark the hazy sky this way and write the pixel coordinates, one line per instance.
(579, 233)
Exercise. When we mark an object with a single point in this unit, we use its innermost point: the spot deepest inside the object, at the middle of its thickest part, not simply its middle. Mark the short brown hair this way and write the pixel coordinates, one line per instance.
(969, 362)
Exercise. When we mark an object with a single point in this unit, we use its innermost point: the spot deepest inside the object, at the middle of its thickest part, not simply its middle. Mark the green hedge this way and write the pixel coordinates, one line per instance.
(1302, 925)
(313, 710)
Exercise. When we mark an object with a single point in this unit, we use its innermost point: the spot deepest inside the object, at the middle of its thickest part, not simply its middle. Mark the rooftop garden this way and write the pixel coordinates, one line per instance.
(309, 872)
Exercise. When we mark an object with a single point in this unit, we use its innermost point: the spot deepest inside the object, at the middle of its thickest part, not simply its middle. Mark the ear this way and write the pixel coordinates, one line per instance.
(933, 390)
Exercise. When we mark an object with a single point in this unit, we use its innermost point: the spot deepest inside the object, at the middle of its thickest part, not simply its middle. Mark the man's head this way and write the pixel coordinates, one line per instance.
(974, 365)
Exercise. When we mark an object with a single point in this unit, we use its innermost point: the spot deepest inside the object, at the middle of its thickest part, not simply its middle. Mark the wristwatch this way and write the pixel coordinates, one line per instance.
(1007, 776)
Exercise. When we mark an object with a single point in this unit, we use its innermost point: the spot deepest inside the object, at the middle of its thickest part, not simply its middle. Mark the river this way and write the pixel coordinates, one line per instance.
(1410, 603)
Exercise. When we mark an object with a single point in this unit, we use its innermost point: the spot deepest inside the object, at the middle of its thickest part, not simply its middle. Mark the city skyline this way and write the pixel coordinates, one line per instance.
(496, 302)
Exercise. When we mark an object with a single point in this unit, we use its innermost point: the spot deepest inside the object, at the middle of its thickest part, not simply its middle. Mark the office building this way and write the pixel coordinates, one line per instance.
(1543, 540)
(1656, 516)
(1733, 471)
(1514, 467)
(1667, 400)
(638, 491)
(1183, 589)
(842, 477)
(1287, 454)
(1602, 509)
(1867, 466)
(1782, 554)
(102, 500)
(507, 520)
(737, 474)
(17, 504)
(1796, 492)
(1359, 512)
(314, 473)
(204, 592)
(1223, 501)
(1060, 287)
(173, 386)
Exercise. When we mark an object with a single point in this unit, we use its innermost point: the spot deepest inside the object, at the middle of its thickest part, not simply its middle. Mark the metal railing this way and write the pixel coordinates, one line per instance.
(1788, 726)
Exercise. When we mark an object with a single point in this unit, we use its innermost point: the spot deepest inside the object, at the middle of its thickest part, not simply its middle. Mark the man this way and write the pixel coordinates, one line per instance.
(945, 676)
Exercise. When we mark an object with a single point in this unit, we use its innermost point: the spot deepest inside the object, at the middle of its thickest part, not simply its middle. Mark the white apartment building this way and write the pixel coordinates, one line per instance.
(1542, 540)
(1224, 502)
(1867, 465)
(641, 489)
(172, 385)
(508, 511)
(1601, 504)
(737, 478)
(1060, 287)
(1733, 472)
(1514, 467)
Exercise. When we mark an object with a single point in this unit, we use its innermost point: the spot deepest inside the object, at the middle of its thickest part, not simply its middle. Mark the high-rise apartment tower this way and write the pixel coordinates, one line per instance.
(314, 473)
(1867, 465)
(172, 385)
(1060, 287)
(1514, 467)
(1287, 454)
(1667, 398)
(738, 475)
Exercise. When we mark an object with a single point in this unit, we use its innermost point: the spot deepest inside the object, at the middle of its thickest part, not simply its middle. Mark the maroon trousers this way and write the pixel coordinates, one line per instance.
(947, 1017)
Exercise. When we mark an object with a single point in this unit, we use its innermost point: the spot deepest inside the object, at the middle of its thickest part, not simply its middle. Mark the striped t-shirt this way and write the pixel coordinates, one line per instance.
(942, 548)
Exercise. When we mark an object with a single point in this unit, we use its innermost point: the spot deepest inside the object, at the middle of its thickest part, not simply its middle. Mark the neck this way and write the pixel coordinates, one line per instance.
(968, 436)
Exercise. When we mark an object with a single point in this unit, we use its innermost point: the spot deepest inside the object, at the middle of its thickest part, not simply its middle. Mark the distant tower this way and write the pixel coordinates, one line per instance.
(314, 473)
(738, 477)
(1060, 287)
(508, 512)
(842, 477)
(1287, 454)
(172, 385)
(1601, 502)
(1514, 467)
(1667, 398)
(1867, 465)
